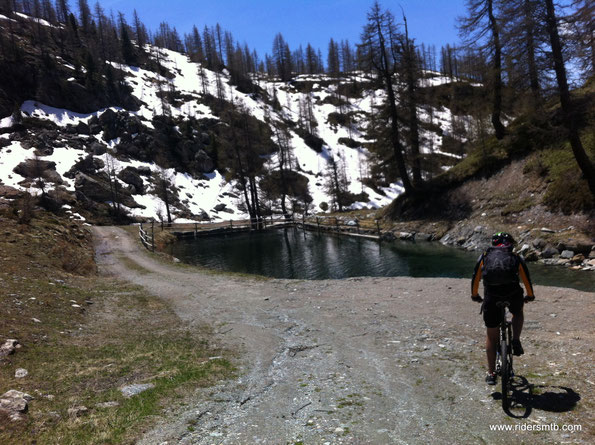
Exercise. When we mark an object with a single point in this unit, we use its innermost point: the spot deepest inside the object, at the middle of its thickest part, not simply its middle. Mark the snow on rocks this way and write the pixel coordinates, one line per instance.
(200, 195)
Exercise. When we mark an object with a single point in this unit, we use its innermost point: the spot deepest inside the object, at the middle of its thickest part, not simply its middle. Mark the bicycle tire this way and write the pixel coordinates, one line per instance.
(505, 373)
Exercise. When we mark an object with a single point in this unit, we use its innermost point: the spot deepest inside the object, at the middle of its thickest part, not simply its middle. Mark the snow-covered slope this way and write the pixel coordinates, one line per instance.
(200, 195)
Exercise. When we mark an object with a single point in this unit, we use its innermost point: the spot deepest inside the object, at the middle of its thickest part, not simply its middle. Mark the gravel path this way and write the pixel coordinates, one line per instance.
(363, 360)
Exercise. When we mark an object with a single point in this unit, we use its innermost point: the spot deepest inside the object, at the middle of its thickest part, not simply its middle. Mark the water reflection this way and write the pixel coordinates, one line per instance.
(293, 253)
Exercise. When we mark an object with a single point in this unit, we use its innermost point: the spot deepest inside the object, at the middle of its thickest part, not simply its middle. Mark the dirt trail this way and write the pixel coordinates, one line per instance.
(363, 360)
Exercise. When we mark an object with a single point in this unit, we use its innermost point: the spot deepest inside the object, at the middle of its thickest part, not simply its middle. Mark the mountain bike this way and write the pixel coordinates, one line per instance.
(504, 355)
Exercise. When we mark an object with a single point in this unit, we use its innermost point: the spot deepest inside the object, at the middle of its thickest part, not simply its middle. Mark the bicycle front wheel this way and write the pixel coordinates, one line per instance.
(505, 374)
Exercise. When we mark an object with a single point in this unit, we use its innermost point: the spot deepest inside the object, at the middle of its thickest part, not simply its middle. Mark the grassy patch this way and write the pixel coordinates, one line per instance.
(84, 337)
(567, 191)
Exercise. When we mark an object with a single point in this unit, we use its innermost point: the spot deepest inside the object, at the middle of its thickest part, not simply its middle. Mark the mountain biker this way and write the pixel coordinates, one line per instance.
(500, 269)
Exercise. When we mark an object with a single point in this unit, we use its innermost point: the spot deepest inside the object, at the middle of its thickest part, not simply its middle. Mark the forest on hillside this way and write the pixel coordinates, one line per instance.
(519, 59)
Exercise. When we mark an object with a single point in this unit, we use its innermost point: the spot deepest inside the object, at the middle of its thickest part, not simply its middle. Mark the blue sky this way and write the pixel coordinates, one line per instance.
(256, 22)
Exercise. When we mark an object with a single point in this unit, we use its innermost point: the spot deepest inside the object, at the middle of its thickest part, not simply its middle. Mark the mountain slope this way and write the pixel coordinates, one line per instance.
(172, 124)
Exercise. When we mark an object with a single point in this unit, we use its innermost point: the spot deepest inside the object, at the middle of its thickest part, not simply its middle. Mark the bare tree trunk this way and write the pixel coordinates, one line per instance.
(496, 74)
(409, 53)
(530, 41)
(582, 159)
(396, 143)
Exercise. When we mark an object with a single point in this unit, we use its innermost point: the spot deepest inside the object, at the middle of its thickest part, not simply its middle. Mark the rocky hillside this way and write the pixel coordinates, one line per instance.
(170, 121)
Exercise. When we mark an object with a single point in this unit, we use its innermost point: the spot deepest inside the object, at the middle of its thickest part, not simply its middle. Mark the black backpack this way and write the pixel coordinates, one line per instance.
(500, 266)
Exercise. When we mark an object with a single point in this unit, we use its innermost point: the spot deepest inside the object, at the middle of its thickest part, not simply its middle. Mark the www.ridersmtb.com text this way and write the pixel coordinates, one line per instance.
(537, 427)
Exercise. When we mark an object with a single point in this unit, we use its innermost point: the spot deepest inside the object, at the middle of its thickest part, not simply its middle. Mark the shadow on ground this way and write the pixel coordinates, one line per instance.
(526, 397)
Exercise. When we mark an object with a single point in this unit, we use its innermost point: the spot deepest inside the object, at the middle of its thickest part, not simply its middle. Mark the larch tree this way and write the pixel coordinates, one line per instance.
(378, 53)
(568, 109)
(410, 66)
(480, 24)
(523, 35)
(333, 60)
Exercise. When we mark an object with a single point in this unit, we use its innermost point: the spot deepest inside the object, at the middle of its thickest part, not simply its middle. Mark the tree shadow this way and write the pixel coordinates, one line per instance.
(526, 397)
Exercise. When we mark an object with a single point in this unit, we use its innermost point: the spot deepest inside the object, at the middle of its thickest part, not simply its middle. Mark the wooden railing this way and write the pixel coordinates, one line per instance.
(148, 239)
(368, 228)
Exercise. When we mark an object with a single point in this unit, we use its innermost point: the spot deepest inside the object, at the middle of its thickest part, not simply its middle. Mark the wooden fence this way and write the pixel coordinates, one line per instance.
(367, 228)
(147, 239)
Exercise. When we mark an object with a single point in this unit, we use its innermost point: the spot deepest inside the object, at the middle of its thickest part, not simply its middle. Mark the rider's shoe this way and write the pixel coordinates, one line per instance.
(491, 378)
(517, 348)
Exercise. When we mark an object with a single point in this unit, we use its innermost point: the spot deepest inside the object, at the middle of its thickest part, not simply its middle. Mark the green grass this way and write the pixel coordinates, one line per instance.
(83, 356)
(567, 191)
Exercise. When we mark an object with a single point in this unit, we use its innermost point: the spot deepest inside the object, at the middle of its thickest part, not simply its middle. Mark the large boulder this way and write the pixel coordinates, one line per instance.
(38, 168)
(96, 149)
(9, 192)
(88, 165)
(204, 163)
(131, 176)
(99, 190)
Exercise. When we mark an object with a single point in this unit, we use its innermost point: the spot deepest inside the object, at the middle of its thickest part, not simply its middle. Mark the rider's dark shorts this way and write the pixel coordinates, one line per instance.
(493, 294)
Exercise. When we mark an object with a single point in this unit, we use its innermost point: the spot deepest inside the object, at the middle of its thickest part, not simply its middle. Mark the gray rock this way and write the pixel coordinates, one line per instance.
(111, 404)
(134, 389)
(388, 236)
(567, 254)
(546, 230)
(423, 236)
(549, 252)
(77, 411)
(538, 243)
(8, 347)
(130, 176)
(14, 404)
(35, 168)
(478, 229)
(524, 248)
(143, 170)
(219, 207)
(406, 236)
(97, 149)
(82, 128)
(204, 163)
(20, 373)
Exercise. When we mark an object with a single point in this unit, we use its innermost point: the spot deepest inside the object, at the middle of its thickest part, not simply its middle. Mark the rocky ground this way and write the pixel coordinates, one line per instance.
(364, 360)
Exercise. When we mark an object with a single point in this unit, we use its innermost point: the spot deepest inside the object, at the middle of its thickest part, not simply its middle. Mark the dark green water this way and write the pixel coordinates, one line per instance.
(293, 253)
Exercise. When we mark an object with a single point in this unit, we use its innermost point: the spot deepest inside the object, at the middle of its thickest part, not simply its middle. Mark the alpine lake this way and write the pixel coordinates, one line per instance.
(300, 254)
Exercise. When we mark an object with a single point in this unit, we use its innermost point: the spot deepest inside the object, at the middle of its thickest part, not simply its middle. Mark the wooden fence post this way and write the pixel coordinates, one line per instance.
(357, 225)
(337, 224)
(152, 236)
(378, 226)
(195, 229)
